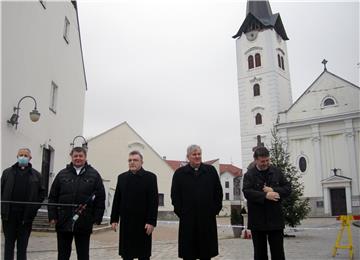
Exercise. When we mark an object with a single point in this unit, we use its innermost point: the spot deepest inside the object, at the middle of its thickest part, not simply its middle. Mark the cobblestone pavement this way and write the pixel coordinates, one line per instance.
(309, 244)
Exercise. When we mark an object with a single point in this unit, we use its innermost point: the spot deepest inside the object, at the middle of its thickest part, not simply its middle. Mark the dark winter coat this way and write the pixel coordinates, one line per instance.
(35, 192)
(70, 188)
(136, 204)
(197, 199)
(264, 214)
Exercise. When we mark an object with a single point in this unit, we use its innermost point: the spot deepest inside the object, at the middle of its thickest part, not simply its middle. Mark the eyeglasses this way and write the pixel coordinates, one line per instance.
(133, 160)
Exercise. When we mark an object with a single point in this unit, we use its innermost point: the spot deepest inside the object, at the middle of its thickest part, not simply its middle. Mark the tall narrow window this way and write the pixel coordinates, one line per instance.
(53, 97)
(257, 60)
(227, 196)
(282, 63)
(258, 119)
(251, 62)
(256, 90)
(161, 199)
(226, 184)
(279, 61)
(66, 30)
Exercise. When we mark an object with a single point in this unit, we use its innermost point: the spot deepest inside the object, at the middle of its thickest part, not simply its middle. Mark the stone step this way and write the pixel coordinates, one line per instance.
(41, 223)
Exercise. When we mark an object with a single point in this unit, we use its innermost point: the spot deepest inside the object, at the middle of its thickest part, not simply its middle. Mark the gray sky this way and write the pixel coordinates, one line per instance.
(168, 68)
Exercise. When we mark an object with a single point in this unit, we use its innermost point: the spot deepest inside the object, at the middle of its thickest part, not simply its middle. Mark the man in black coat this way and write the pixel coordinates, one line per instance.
(78, 183)
(264, 187)
(196, 195)
(136, 205)
(20, 183)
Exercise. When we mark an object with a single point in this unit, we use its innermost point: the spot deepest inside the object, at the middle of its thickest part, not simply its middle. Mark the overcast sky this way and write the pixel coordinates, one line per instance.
(168, 68)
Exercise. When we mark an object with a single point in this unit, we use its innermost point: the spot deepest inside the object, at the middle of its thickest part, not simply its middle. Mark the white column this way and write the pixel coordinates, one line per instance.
(348, 199)
(350, 140)
(326, 200)
(317, 152)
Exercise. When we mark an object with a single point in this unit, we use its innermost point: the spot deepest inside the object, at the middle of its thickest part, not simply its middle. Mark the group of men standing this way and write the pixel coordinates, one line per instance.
(77, 202)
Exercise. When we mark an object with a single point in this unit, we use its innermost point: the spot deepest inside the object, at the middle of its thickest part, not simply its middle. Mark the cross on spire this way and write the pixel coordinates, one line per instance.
(324, 62)
(259, 143)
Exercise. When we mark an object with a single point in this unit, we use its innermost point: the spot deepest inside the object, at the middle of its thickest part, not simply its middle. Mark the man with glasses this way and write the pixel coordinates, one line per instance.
(136, 205)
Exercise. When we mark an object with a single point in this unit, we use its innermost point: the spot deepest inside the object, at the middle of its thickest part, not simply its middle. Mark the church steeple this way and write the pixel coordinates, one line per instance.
(260, 9)
(259, 13)
(263, 75)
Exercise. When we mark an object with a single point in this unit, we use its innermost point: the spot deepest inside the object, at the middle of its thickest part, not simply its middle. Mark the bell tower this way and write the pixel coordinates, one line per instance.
(263, 75)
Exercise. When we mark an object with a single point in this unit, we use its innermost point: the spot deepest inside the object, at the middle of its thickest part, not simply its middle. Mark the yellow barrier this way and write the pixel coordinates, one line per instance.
(345, 223)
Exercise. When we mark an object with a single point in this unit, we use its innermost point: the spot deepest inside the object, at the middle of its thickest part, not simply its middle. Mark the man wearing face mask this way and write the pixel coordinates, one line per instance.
(19, 183)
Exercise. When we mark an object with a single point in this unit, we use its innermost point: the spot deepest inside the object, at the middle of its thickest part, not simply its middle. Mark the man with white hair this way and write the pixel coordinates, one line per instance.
(20, 183)
(196, 195)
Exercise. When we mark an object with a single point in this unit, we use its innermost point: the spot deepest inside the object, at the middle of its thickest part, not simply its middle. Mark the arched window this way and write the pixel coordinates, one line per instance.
(282, 63)
(279, 61)
(256, 90)
(257, 60)
(258, 119)
(251, 62)
(329, 102)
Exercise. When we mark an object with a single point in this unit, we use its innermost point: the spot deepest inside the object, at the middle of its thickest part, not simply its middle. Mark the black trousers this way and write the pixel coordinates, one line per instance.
(16, 231)
(276, 242)
(64, 243)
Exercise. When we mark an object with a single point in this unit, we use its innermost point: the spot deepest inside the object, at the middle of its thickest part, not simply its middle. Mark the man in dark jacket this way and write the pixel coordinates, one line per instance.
(265, 187)
(20, 183)
(136, 205)
(196, 195)
(78, 183)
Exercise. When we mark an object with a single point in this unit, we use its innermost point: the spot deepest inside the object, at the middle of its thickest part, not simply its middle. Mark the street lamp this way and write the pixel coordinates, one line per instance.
(34, 115)
(84, 144)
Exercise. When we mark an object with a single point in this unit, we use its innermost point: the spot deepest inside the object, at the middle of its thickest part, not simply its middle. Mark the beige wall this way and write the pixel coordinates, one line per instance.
(108, 153)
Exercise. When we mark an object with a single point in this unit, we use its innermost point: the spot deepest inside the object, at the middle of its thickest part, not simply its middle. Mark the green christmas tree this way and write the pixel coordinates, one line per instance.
(296, 208)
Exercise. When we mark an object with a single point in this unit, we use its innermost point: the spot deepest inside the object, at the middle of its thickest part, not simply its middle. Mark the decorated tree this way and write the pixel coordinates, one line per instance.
(296, 208)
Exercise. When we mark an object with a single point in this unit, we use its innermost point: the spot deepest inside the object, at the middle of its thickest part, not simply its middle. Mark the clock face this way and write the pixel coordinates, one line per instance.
(251, 36)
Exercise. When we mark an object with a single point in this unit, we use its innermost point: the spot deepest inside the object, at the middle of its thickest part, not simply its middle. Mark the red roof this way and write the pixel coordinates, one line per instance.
(233, 170)
(175, 164)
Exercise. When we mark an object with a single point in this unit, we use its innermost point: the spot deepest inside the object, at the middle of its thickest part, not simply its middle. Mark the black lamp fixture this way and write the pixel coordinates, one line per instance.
(34, 114)
(84, 144)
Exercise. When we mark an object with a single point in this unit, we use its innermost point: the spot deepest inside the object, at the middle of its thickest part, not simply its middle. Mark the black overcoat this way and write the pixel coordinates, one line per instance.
(263, 214)
(135, 204)
(197, 199)
(35, 193)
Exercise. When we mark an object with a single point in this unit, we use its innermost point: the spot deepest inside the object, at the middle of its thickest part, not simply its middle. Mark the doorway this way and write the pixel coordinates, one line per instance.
(338, 201)
(45, 168)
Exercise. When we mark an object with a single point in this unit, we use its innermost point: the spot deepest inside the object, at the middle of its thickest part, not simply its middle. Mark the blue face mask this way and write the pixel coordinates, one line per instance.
(23, 161)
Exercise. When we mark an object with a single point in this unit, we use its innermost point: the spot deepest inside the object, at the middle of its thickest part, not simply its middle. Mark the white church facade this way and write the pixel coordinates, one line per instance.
(320, 130)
